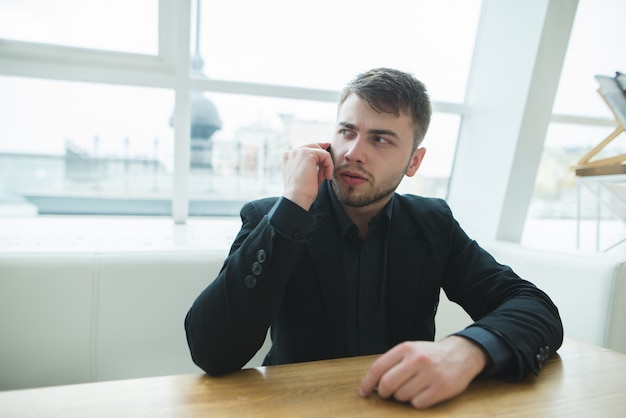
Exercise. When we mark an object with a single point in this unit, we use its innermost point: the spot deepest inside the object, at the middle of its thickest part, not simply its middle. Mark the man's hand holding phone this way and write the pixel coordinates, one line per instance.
(304, 170)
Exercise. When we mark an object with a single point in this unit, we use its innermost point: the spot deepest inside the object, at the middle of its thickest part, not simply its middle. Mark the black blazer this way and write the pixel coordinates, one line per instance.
(296, 285)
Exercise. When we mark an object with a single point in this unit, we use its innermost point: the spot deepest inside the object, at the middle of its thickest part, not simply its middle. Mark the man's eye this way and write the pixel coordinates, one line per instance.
(380, 140)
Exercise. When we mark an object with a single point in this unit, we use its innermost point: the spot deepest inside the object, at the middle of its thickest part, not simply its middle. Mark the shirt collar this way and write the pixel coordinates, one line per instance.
(344, 223)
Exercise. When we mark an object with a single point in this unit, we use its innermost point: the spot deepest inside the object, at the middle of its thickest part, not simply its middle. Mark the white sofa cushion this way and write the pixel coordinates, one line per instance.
(46, 322)
(80, 317)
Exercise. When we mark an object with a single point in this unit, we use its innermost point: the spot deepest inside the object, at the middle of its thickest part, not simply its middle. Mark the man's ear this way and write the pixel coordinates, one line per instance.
(416, 161)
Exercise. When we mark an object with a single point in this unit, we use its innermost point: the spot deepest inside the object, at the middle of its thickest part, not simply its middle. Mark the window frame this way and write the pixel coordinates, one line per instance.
(169, 69)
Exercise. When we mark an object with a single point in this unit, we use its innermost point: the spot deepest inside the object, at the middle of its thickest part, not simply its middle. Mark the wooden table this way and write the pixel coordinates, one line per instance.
(582, 380)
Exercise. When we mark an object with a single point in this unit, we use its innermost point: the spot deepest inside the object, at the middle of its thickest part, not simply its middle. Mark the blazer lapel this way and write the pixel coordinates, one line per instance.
(323, 246)
(404, 263)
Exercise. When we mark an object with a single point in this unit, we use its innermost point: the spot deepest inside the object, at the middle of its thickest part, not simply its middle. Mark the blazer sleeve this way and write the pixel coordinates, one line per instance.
(499, 301)
(228, 322)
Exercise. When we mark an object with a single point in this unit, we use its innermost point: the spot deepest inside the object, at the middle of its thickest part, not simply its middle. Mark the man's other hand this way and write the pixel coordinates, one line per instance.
(425, 373)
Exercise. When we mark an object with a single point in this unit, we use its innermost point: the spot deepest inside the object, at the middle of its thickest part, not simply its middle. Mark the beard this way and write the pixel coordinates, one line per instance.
(349, 196)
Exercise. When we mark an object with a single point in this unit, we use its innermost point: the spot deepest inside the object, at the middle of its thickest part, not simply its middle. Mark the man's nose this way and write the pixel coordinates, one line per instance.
(356, 150)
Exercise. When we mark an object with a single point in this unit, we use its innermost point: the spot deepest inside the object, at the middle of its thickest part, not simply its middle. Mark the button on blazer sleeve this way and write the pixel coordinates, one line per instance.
(228, 322)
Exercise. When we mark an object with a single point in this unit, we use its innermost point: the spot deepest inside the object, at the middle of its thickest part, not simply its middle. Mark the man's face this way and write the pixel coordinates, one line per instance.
(372, 153)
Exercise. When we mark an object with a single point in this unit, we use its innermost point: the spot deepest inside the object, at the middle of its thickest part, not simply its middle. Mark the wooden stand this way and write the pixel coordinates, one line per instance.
(604, 166)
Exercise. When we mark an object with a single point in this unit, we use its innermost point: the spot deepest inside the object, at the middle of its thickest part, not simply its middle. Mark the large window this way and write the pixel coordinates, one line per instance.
(116, 25)
(581, 120)
(89, 93)
(72, 147)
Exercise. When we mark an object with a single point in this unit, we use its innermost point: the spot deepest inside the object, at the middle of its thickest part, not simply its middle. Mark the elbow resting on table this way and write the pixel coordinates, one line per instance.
(213, 355)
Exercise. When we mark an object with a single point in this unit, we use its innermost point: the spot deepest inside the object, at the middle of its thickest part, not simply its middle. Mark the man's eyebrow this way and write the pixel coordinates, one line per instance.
(348, 125)
(371, 131)
(383, 132)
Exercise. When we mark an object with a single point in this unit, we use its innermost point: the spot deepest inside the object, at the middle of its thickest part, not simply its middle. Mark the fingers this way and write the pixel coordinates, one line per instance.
(325, 162)
(304, 170)
(428, 397)
(317, 145)
(377, 370)
(404, 383)
(400, 373)
(323, 159)
(412, 389)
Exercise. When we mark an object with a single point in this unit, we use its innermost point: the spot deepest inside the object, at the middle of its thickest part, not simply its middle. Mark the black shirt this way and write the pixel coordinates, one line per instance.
(365, 264)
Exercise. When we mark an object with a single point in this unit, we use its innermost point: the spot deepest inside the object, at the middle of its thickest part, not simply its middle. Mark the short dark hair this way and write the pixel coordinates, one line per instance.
(392, 91)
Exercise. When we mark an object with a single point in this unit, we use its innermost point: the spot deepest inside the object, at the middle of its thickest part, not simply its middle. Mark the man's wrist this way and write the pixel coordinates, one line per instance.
(474, 356)
(499, 355)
